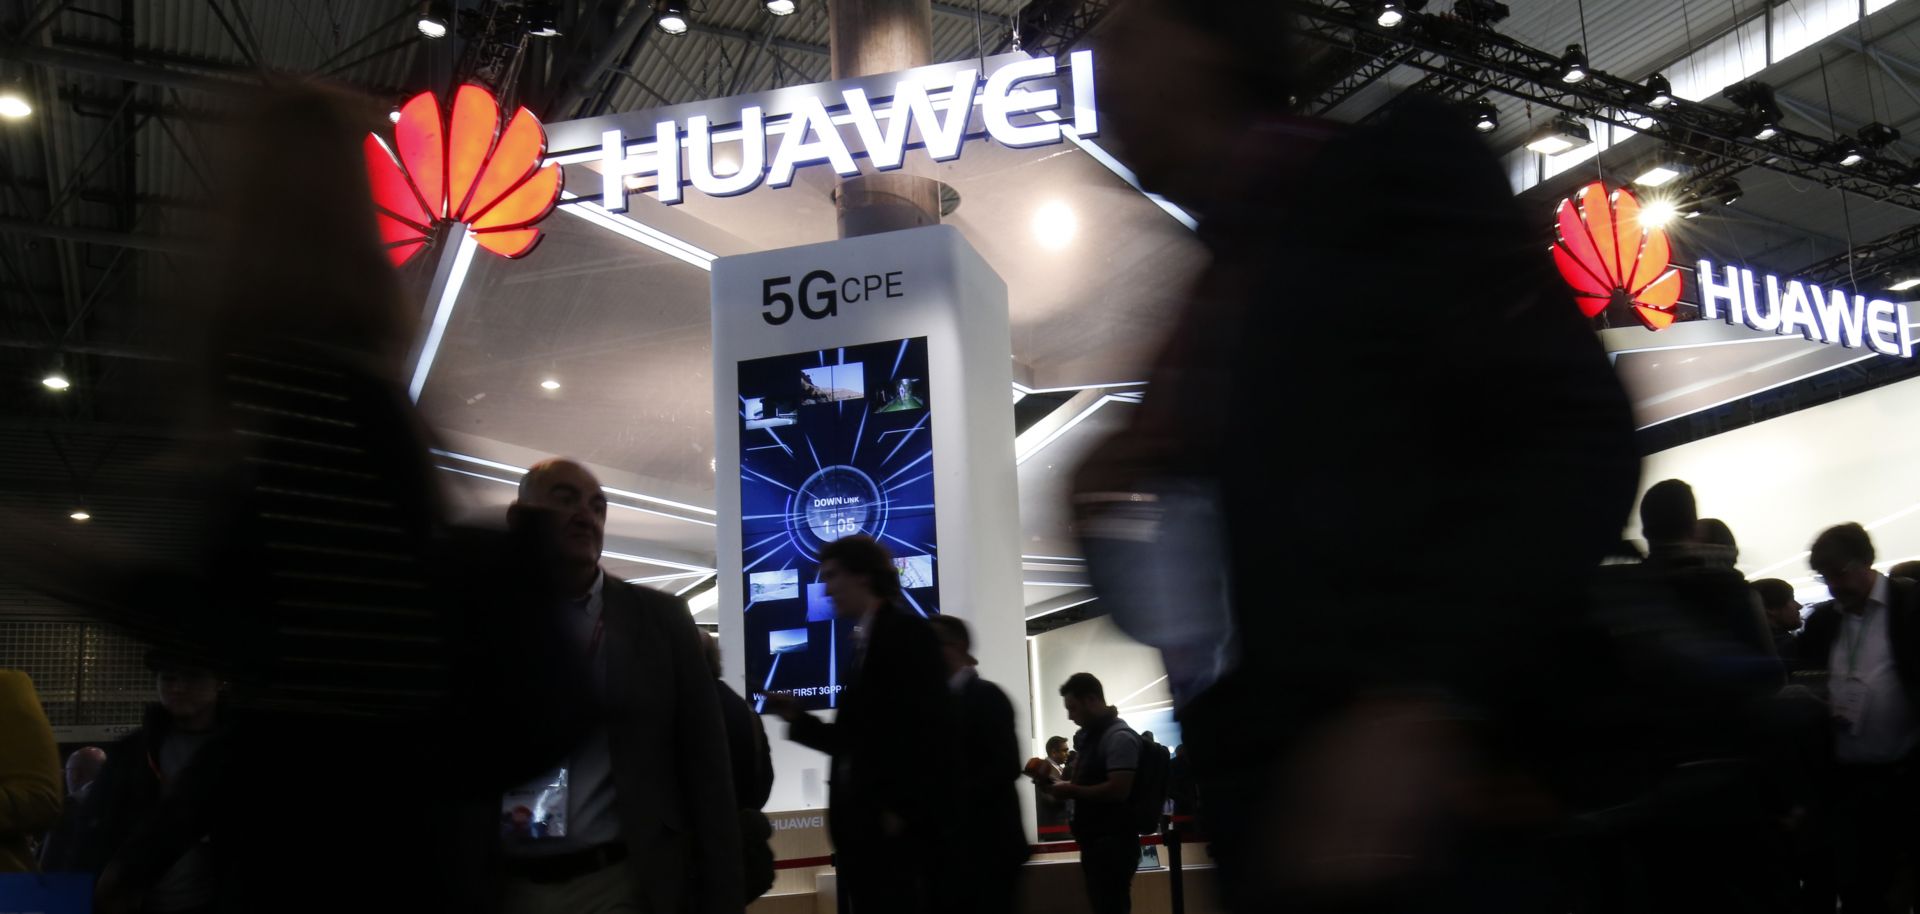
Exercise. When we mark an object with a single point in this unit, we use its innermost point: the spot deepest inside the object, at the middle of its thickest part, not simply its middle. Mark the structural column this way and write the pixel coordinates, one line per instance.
(869, 38)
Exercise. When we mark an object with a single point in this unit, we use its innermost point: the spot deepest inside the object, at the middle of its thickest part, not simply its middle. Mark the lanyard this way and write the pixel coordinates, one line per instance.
(1853, 642)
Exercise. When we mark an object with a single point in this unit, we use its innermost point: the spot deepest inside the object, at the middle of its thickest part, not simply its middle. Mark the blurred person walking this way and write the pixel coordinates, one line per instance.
(989, 841)
(58, 851)
(1409, 709)
(1867, 638)
(641, 814)
(1102, 790)
(29, 772)
(752, 759)
(887, 820)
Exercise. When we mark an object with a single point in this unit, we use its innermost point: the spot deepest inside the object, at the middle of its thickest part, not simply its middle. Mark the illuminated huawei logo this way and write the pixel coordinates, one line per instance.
(474, 172)
(1610, 259)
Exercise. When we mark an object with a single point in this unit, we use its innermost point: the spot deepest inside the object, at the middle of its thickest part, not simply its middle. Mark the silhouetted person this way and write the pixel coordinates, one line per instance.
(1104, 823)
(1050, 811)
(1355, 675)
(1783, 617)
(990, 841)
(148, 824)
(641, 813)
(1909, 570)
(29, 771)
(887, 818)
(752, 760)
(1700, 572)
(1867, 638)
(59, 849)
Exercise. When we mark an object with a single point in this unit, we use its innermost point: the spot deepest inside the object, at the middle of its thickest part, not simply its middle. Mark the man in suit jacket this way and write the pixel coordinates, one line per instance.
(641, 815)
(891, 741)
(990, 842)
(1867, 638)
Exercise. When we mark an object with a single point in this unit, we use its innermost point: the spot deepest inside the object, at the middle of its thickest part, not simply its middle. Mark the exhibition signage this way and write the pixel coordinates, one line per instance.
(1609, 257)
(1017, 101)
(1795, 308)
(471, 170)
(860, 390)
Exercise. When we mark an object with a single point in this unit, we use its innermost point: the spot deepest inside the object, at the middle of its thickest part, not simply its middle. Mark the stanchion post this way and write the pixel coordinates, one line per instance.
(841, 902)
(1176, 874)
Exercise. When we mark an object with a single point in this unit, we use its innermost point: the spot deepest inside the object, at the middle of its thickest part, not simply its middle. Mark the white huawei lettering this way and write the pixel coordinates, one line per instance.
(1803, 309)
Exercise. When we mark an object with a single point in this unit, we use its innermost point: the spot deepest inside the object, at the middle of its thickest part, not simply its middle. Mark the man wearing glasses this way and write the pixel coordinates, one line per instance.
(1867, 638)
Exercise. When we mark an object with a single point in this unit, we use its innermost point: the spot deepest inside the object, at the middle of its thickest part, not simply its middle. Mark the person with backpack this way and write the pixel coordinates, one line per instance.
(1105, 822)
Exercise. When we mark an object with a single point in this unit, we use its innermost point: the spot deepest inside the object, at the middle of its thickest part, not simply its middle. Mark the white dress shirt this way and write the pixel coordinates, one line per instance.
(1863, 651)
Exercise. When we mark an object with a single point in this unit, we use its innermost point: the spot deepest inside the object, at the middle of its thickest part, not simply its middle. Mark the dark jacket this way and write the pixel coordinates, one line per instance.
(1815, 644)
(897, 703)
(124, 821)
(752, 784)
(990, 829)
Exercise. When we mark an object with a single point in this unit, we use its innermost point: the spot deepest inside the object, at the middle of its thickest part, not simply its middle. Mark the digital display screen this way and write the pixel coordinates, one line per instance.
(833, 443)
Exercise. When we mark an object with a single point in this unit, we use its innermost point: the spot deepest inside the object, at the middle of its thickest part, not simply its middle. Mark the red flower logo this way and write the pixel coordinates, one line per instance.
(476, 172)
(1609, 258)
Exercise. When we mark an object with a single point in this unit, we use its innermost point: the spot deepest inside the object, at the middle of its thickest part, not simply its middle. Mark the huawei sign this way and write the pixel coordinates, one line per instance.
(469, 169)
(1609, 258)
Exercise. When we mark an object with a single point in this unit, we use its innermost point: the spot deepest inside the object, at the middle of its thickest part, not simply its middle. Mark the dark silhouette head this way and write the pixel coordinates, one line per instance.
(1668, 514)
(1084, 697)
(1776, 597)
(1057, 749)
(1843, 557)
(1909, 570)
(1714, 531)
(955, 642)
(860, 576)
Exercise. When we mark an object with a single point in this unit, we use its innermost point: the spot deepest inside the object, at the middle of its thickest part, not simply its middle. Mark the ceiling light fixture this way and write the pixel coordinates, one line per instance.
(543, 21)
(1763, 113)
(1905, 284)
(434, 19)
(1391, 15)
(1486, 118)
(1573, 65)
(56, 381)
(1659, 91)
(1726, 192)
(550, 384)
(1663, 169)
(781, 7)
(1878, 136)
(1560, 135)
(1481, 12)
(671, 17)
(1849, 155)
(13, 100)
(81, 515)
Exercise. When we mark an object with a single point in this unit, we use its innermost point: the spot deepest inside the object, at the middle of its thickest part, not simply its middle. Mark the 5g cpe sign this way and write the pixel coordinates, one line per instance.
(930, 109)
(1765, 303)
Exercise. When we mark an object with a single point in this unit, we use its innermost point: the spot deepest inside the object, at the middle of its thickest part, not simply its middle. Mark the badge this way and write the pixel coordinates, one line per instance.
(536, 810)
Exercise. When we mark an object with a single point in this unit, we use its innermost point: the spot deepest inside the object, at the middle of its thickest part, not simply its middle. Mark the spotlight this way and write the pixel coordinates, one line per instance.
(549, 384)
(671, 17)
(80, 515)
(1763, 114)
(1765, 129)
(13, 100)
(1486, 118)
(780, 7)
(1659, 91)
(1394, 12)
(434, 18)
(543, 21)
(1055, 225)
(56, 381)
(1663, 169)
(394, 116)
(1481, 12)
(1658, 213)
(1573, 65)
(1878, 136)
(1726, 193)
(1563, 133)
(1849, 154)
(1905, 284)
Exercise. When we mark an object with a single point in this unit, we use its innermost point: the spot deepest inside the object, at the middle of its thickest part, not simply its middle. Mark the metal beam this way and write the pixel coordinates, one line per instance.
(112, 68)
(100, 349)
(154, 243)
(784, 44)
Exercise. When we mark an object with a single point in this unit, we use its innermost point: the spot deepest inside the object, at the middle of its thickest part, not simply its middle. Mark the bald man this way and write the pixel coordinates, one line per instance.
(640, 816)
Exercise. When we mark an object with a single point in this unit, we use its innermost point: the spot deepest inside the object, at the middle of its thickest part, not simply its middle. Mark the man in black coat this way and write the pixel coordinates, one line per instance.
(887, 820)
(1381, 283)
(1867, 639)
(990, 840)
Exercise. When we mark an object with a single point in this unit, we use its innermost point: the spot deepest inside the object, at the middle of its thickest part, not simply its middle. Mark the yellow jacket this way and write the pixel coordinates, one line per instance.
(29, 771)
